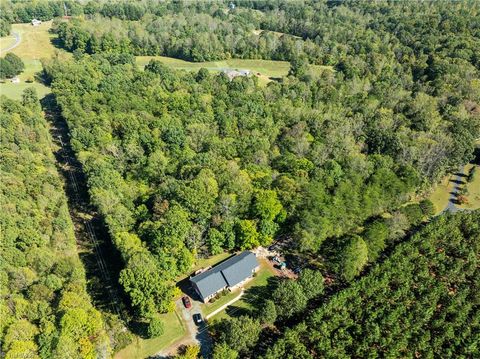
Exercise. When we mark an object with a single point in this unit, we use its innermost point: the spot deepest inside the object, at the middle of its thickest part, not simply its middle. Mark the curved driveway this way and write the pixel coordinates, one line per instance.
(18, 39)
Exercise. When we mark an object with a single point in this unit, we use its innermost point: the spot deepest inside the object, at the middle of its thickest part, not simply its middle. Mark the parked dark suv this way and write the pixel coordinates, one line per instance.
(197, 318)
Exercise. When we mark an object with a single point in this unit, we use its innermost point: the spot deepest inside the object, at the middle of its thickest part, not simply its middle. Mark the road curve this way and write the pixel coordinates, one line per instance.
(18, 39)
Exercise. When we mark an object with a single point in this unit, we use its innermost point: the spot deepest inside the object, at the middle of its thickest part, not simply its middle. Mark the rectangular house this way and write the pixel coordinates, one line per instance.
(230, 274)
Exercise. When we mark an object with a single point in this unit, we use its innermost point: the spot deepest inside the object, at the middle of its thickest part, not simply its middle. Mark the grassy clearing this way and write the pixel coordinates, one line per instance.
(143, 348)
(35, 44)
(441, 195)
(35, 41)
(265, 70)
(6, 42)
(260, 280)
(473, 189)
(278, 34)
(15, 91)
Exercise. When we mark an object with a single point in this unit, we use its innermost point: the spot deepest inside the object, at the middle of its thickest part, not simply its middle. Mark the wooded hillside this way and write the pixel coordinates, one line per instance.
(423, 301)
(45, 310)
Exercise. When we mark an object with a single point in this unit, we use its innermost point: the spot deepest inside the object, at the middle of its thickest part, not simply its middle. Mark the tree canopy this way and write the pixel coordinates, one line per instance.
(421, 301)
(45, 309)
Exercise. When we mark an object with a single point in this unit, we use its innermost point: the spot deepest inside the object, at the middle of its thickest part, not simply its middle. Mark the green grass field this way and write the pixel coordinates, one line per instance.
(265, 70)
(441, 194)
(35, 44)
(15, 91)
(208, 308)
(260, 280)
(6, 42)
(473, 189)
(143, 348)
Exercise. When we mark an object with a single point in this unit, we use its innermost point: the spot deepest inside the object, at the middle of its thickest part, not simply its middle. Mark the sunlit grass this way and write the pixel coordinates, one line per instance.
(6, 42)
(144, 348)
(441, 194)
(265, 70)
(260, 280)
(35, 44)
(473, 189)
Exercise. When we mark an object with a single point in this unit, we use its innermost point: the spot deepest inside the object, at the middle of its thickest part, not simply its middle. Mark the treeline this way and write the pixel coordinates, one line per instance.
(188, 164)
(10, 66)
(412, 29)
(24, 11)
(185, 164)
(5, 27)
(193, 37)
(343, 34)
(421, 301)
(237, 337)
(45, 309)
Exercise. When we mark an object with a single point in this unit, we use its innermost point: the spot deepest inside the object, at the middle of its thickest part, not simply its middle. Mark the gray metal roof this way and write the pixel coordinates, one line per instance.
(227, 274)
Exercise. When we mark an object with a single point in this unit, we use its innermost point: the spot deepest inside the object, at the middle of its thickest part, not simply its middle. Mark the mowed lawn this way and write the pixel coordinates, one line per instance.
(258, 282)
(144, 348)
(473, 189)
(6, 42)
(35, 44)
(441, 194)
(265, 70)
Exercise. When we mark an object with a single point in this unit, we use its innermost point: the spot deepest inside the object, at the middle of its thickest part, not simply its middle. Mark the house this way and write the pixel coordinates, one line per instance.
(36, 22)
(231, 74)
(230, 274)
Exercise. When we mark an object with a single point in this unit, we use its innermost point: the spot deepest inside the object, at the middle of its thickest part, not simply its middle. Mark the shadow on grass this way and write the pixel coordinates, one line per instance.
(186, 288)
(139, 328)
(457, 181)
(56, 42)
(255, 296)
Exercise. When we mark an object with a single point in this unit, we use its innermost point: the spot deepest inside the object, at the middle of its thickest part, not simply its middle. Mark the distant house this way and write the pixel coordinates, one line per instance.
(231, 74)
(15, 80)
(230, 274)
(36, 22)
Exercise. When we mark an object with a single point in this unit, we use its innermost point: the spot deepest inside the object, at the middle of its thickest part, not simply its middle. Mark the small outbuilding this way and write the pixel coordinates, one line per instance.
(231, 74)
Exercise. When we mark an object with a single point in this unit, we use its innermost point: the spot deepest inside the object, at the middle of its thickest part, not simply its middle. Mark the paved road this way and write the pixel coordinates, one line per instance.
(18, 39)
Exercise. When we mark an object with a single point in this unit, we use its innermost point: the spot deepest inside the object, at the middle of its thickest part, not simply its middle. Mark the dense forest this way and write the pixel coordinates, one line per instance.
(45, 309)
(336, 160)
(185, 164)
(314, 31)
(423, 301)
